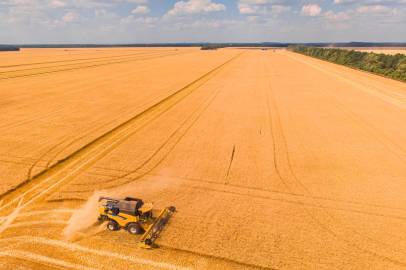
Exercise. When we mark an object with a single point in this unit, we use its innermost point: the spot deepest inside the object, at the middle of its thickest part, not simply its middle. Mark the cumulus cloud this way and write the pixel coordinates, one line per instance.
(248, 9)
(209, 24)
(141, 10)
(341, 16)
(147, 20)
(254, 19)
(102, 14)
(369, 2)
(88, 4)
(136, 1)
(52, 24)
(20, 2)
(373, 9)
(13, 20)
(131, 19)
(73, 17)
(182, 9)
(204, 24)
(311, 11)
(57, 4)
(278, 2)
(345, 2)
(280, 9)
(397, 12)
(26, 13)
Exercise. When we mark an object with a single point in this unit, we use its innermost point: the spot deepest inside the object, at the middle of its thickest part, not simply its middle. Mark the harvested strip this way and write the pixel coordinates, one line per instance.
(61, 244)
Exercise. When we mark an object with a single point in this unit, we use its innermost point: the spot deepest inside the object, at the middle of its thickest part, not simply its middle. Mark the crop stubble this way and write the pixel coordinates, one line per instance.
(277, 161)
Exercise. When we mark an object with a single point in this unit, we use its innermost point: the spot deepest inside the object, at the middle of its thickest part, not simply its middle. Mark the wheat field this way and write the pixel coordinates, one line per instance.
(273, 160)
(385, 50)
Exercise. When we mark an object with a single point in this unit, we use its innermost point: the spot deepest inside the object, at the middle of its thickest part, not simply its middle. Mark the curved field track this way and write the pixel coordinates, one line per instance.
(273, 160)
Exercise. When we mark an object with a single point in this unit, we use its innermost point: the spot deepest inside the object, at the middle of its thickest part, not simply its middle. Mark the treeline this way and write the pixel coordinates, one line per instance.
(5, 48)
(393, 66)
(218, 45)
(111, 45)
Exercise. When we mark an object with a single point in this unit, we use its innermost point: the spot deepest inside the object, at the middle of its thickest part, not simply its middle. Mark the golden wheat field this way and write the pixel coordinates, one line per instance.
(385, 50)
(273, 160)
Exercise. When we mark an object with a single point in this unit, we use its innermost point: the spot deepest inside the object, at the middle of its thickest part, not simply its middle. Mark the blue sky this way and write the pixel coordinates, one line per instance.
(150, 21)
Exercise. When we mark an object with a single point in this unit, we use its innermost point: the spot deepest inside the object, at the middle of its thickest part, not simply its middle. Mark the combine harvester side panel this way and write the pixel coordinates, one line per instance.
(149, 237)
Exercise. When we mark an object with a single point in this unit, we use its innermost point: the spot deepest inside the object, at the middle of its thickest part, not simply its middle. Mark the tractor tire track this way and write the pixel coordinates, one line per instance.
(106, 61)
(10, 218)
(44, 72)
(154, 154)
(290, 176)
(64, 245)
(23, 255)
(88, 155)
(95, 62)
(95, 128)
(37, 222)
(213, 96)
(77, 60)
(393, 98)
(294, 201)
(393, 147)
(109, 81)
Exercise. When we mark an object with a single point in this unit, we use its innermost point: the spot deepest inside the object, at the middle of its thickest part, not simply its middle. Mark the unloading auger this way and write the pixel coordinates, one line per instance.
(135, 216)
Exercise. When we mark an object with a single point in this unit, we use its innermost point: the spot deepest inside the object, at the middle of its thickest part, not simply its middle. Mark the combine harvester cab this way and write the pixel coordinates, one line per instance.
(135, 216)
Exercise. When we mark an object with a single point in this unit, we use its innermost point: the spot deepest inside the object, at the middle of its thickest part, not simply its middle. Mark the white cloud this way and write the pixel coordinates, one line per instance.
(253, 19)
(341, 16)
(27, 13)
(248, 9)
(278, 2)
(102, 14)
(51, 24)
(74, 17)
(280, 9)
(311, 10)
(89, 4)
(397, 12)
(209, 24)
(57, 4)
(137, 1)
(25, 10)
(369, 2)
(373, 9)
(141, 9)
(331, 27)
(149, 20)
(14, 20)
(345, 2)
(107, 28)
(182, 8)
(205, 24)
(21, 2)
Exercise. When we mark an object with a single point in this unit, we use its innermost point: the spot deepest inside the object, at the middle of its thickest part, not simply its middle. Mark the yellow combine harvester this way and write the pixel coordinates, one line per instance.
(135, 216)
